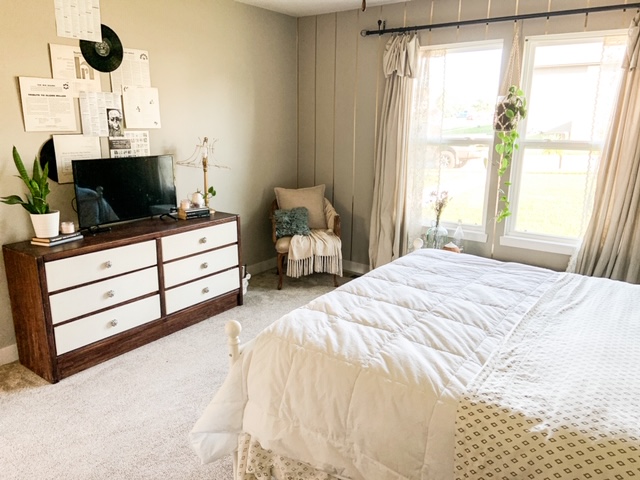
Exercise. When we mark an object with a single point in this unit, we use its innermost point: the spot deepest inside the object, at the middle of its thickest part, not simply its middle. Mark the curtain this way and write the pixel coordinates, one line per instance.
(611, 246)
(424, 173)
(387, 237)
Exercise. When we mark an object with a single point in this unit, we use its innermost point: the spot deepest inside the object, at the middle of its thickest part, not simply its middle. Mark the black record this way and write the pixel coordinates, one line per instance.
(105, 56)
(48, 155)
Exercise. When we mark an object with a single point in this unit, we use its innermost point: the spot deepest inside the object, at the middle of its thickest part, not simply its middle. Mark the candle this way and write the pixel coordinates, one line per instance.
(67, 227)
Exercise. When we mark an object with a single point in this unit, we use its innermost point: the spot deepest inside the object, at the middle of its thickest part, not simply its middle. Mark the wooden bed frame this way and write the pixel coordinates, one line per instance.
(233, 328)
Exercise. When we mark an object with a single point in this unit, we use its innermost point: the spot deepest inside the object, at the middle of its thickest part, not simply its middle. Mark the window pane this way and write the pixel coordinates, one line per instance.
(571, 87)
(556, 189)
(465, 182)
(571, 95)
(452, 130)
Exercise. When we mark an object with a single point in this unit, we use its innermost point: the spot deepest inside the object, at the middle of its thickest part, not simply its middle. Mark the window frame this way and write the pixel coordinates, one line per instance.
(473, 232)
(537, 241)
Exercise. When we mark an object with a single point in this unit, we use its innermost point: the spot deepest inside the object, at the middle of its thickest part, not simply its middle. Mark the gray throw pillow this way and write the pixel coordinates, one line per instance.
(292, 222)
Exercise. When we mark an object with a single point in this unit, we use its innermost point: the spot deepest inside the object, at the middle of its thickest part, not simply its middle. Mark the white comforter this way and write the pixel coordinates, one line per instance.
(364, 382)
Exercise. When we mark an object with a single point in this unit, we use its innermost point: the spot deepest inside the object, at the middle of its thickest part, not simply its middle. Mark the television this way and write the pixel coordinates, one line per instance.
(112, 190)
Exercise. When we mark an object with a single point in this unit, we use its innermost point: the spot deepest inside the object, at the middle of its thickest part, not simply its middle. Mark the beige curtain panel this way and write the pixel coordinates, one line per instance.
(387, 236)
(611, 245)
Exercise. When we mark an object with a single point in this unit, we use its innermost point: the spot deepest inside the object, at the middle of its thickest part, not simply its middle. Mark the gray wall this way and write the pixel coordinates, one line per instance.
(340, 85)
(223, 69)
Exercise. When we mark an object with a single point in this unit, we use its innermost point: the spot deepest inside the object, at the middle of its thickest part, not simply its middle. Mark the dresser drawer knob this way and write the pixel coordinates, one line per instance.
(203, 240)
(205, 290)
(114, 322)
(111, 293)
(108, 264)
(204, 266)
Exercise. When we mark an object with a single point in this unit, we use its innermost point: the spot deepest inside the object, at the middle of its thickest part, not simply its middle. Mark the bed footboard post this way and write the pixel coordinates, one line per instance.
(233, 329)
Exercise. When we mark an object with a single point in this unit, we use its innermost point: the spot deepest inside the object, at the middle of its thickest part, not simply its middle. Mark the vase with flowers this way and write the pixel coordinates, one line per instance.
(437, 235)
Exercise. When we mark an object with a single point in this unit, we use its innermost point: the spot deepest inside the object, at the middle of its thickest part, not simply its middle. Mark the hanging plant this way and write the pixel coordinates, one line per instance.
(509, 111)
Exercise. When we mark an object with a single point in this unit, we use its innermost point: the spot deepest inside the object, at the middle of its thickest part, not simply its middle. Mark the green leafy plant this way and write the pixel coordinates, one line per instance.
(508, 113)
(210, 193)
(37, 184)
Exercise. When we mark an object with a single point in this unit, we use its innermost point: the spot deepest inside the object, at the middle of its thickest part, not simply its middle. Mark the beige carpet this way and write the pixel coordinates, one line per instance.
(129, 418)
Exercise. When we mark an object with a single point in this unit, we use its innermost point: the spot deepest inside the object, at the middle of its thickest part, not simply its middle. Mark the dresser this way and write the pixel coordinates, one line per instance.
(80, 303)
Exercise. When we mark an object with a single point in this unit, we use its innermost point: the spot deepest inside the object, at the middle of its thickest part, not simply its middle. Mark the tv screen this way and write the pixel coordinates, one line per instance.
(110, 190)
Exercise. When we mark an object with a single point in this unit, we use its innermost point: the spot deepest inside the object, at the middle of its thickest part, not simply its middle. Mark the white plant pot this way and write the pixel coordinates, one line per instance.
(46, 224)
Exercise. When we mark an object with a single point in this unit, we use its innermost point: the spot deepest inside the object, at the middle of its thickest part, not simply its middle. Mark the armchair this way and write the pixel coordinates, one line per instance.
(327, 215)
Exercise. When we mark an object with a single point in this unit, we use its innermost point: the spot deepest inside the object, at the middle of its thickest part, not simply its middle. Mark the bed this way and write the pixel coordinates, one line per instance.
(439, 365)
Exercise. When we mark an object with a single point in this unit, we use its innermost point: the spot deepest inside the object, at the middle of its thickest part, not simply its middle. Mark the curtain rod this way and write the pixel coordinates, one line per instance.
(524, 16)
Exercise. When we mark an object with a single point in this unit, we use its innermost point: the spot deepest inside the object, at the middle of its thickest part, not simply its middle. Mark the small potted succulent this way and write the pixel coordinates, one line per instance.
(45, 221)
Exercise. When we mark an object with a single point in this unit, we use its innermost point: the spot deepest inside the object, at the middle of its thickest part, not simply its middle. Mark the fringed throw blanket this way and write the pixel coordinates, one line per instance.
(320, 252)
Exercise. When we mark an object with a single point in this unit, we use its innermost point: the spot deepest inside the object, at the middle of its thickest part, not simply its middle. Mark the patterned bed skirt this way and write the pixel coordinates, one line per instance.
(256, 463)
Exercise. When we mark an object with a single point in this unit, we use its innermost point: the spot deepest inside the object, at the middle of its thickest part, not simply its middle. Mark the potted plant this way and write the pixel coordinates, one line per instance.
(45, 222)
(199, 199)
(208, 194)
(509, 111)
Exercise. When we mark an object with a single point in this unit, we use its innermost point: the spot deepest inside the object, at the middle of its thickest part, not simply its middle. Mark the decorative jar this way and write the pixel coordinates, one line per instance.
(437, 236)
(197, 199)
(440, 237)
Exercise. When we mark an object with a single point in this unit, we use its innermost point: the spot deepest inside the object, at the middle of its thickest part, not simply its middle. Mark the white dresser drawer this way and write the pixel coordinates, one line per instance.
(96, 266)
(196, 241)
(201, 290)
(87, 330)
(198, 266)
(82, 300)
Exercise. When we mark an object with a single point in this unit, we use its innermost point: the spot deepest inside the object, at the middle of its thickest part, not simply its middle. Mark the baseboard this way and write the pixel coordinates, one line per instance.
(8, 354)
(354, 267)
(262, 266)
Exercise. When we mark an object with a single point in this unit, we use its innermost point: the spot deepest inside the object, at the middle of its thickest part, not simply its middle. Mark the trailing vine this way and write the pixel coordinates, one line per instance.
(508, 113)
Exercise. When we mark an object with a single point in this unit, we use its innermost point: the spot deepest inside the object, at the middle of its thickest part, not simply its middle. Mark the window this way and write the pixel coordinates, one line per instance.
(571, 84)
(451, 135)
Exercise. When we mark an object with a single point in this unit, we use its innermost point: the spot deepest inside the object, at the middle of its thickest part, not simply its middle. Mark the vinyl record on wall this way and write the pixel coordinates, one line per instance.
(104, 56)
(48, 155)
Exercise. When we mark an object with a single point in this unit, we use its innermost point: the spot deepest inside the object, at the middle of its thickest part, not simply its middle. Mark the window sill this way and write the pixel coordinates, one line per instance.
(473, 233)
(538, 245)
(475, 236)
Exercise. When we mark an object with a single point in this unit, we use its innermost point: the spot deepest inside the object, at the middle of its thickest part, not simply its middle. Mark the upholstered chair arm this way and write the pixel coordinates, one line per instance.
(272, 217)
(333, 217)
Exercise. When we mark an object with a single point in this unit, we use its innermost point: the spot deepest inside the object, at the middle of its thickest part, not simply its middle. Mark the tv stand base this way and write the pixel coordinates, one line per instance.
(98, 229)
